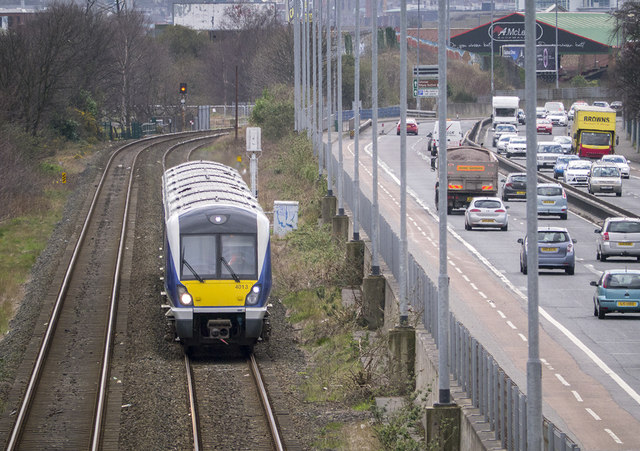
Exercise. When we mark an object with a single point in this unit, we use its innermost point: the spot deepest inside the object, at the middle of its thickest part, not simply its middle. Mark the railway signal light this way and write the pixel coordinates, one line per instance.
(183, 88)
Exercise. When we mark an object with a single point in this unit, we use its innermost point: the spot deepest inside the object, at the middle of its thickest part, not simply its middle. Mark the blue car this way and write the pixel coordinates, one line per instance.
(561, 164)
(618, 290)
(555, 250)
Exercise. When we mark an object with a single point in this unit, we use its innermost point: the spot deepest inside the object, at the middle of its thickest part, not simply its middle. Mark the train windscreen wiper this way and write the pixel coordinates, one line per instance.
(186, 263)
(230, 269)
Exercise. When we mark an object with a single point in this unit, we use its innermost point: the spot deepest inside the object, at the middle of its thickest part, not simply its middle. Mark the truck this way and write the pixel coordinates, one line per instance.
(593, 132)
(505, 110)
(471, 172)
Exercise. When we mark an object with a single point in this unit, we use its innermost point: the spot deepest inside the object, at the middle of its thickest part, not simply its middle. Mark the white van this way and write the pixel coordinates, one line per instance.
(454, 136)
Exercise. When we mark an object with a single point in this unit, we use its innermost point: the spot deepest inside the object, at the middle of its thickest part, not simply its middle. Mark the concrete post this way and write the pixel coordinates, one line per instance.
(442, 427)
(328, 206)
(373, 299)
(402, 352)
(340, 227)
(355, 262)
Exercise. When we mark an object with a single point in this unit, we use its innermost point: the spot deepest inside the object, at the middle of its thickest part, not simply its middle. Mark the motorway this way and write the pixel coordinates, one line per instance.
(591, 367)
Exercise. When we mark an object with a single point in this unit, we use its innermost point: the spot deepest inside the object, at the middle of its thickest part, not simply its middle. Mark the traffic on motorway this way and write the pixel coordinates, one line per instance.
(577, 296)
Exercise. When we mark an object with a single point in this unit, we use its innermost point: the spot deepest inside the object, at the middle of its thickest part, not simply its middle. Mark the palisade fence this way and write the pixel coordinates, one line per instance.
(497, 397)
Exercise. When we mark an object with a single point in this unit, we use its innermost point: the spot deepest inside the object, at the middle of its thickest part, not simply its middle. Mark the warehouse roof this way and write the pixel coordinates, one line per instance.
(598, 27)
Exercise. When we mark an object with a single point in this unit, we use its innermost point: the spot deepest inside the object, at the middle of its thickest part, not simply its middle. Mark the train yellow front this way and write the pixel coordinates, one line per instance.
(217, 257)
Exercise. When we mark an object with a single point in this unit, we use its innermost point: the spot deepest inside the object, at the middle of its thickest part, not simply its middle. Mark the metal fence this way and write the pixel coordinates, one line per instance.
(497, 396)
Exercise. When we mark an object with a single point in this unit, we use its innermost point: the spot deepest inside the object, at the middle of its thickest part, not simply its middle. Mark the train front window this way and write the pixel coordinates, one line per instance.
(239, 250)
(199, 252)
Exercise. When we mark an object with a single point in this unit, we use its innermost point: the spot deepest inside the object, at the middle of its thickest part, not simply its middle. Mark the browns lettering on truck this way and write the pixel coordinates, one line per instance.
(593, 133)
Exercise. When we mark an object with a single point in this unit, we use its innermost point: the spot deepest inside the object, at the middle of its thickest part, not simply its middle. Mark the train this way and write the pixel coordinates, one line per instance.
(217, 253)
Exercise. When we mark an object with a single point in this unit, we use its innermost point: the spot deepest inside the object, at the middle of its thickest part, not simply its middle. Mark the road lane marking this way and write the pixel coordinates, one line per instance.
(502, 315)
(523, 337)
(593, 414)
(511, 325)
(577, 396)
(613, 436)
(562, 380)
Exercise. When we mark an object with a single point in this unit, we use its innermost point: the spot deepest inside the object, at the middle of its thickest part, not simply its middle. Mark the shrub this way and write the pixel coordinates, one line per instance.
(274, 112)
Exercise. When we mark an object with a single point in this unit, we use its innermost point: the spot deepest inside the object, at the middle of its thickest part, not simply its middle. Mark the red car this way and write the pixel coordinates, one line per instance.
(412, 127)
(544, 126)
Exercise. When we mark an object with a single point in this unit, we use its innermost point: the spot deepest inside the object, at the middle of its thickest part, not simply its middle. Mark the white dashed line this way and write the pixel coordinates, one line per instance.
(577, 395)
(466, 279)
(523, 337)
(482, 295)
(562, 380)
(473, 285)
(511, 325)
(459, 270)
(613, 436)
(502, 315)
(593, 414)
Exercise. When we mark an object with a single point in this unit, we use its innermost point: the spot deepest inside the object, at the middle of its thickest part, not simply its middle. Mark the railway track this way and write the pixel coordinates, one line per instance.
(230, 391)
(66, 383)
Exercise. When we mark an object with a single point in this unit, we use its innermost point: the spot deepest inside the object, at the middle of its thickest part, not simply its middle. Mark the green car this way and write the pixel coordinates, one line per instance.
(618, 290)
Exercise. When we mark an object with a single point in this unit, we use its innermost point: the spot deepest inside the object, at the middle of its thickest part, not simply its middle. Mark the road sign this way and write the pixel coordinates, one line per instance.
(425, 71)
(427, 92)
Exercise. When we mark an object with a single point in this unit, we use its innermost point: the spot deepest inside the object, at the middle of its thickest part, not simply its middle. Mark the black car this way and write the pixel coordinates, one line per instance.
(515, 186)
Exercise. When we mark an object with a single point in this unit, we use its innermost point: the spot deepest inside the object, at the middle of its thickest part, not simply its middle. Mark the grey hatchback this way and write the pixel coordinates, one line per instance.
(555, 250)
(618, 237)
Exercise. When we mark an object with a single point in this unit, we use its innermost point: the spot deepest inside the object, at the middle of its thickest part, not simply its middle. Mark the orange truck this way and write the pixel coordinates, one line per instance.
(593, 132)
(471, 172)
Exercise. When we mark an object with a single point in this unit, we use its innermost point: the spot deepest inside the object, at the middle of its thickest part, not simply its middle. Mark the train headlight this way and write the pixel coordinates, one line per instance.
(254, 295)
(184, 296)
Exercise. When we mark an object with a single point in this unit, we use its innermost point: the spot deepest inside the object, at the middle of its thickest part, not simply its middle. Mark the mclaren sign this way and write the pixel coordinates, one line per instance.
(509, 31)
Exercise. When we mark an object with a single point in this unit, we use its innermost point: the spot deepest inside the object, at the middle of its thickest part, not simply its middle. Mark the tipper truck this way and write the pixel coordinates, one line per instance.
(593, 131)
(471, 172)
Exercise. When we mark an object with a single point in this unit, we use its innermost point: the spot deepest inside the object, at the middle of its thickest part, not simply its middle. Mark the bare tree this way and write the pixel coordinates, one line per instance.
(627, 73)
(39, 60)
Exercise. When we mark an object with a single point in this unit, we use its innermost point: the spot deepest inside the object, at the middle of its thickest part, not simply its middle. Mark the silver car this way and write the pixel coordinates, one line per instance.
(618, 237)
(565, 143)
(552, 200)
(547, 154)
(486, 212)
(620, 161)
(605, 178)
(517, 147)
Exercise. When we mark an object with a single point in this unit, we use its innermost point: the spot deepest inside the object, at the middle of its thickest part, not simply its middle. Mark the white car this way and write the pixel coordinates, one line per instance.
(502, 129)
(601, 103)
(501, 145)
(517, 147)
(547, 154)
(620, 161)
(486, 212)
(574, 105)
(565, 143)
(557, 118)
(577, 172)
(541, 112)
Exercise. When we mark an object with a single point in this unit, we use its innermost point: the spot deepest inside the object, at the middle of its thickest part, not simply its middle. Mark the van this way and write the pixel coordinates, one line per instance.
(454, 136)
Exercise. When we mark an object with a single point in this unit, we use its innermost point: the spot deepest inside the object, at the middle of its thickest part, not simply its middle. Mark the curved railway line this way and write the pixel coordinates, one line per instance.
(76, 347)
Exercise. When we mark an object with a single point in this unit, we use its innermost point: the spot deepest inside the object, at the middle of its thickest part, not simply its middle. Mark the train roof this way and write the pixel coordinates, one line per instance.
(197, 184)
